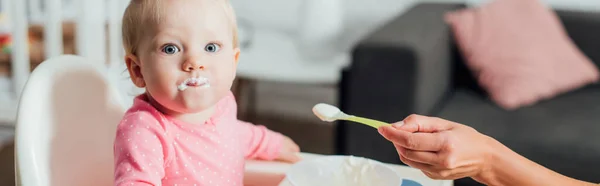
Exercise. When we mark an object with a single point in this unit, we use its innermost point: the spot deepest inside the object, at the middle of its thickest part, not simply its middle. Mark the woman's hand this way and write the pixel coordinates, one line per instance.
(446, 150)
(441, 149)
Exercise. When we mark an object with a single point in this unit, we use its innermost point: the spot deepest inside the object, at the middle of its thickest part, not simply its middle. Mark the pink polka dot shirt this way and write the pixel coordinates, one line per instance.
(155, 149)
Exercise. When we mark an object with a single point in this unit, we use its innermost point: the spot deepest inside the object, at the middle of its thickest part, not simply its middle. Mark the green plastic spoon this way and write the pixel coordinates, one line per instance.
(331, 113)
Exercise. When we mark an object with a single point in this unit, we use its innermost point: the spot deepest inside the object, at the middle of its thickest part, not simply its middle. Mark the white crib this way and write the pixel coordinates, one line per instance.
(90, 17)
(295, 28)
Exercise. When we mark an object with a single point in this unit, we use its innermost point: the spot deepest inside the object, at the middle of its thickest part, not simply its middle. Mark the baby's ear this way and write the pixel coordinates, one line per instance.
(135, 71)
(236, 54)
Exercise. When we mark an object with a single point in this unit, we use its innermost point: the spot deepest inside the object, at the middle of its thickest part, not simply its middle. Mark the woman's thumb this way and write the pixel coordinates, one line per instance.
(419, 123)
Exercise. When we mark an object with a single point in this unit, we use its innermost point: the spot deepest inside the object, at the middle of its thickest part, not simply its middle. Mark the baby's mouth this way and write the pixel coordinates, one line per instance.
(200, 82)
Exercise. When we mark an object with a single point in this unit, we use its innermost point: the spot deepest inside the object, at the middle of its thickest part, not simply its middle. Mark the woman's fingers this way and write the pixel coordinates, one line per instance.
(415, 164)
(413, 141)
(450, 174)
(440, 148)
(425, 157)
(436, 172)
(418, 123)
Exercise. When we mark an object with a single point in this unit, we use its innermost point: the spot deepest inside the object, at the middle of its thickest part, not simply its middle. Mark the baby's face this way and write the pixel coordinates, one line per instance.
(188, 62)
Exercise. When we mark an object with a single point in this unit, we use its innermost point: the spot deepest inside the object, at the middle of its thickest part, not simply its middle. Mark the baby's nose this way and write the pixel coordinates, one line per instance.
(191, 65)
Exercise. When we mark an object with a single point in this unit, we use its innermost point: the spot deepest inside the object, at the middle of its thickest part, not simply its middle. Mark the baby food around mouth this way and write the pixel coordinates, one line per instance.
(182, 87)
(194, 82)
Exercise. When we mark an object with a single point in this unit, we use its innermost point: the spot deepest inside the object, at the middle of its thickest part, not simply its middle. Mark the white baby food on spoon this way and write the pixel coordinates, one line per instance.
(327, 112)
(331, 113)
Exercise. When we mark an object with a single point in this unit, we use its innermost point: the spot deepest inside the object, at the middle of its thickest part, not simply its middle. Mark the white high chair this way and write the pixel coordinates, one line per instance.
(66, 121)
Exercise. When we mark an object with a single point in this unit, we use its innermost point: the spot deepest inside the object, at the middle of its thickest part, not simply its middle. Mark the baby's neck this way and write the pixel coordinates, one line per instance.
(199, 118)
(192, 118)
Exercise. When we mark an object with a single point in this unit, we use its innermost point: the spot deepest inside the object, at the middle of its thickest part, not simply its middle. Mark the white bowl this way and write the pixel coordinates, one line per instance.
(342, 171)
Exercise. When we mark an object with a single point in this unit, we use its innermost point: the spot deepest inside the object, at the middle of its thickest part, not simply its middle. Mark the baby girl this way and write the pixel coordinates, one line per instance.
(183, 130)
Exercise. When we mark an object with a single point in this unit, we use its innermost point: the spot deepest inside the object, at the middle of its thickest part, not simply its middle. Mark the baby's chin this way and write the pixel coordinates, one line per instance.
(194, 110)
(191, 102)
(195, 105)
(184, 104)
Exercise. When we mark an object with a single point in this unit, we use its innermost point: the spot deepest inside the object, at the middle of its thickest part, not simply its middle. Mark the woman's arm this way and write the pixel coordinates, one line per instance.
(446, 150)
(509, 168)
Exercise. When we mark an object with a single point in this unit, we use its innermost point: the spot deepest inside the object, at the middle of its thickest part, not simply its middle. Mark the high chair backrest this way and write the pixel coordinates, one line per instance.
(66, 124)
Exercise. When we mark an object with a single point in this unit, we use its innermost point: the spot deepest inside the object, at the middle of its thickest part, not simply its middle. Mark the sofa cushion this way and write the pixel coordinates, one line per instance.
(520, 52)
(583, 29)
(561, 133)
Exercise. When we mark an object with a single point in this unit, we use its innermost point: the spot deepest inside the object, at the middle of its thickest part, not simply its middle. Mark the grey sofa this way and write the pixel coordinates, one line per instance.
(412, 65)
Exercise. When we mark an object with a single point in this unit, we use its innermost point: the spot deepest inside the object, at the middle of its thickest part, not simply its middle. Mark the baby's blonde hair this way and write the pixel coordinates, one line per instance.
(148, 12)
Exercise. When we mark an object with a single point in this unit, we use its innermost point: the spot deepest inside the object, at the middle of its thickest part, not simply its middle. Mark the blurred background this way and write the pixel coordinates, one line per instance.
(383, 59)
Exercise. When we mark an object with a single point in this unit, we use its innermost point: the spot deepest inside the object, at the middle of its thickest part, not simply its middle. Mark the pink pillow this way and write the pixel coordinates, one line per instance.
(519, 52)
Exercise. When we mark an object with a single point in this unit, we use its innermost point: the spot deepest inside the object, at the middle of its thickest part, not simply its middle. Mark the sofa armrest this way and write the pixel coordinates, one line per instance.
(401, 68)
(583, 28)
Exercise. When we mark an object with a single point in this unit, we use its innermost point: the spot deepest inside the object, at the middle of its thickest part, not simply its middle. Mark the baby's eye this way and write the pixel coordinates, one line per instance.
(170, 49)
(212, 47)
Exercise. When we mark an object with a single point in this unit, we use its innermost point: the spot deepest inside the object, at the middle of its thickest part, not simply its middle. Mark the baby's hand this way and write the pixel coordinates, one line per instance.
(289, 151)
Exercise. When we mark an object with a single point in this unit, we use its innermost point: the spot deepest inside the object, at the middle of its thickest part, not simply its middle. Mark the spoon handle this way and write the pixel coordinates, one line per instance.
(370, 122)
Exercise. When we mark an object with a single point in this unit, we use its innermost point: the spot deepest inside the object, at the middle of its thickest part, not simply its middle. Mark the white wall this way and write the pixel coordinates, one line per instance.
(360, 16)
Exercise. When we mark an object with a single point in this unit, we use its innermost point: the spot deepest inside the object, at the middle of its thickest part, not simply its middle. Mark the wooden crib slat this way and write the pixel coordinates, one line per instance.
(114, 25)
(20, 52)
(53, 31)
(91, 29)
(5, 7)
(35, 9)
